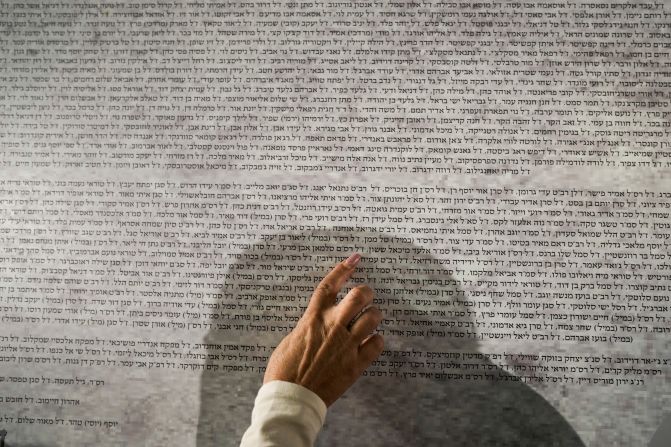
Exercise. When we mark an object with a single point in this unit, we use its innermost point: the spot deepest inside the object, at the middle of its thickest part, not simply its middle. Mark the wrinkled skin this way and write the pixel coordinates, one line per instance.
(332, 344)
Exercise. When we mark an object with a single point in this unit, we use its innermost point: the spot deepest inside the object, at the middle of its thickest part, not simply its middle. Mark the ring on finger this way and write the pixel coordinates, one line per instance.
(357, 316)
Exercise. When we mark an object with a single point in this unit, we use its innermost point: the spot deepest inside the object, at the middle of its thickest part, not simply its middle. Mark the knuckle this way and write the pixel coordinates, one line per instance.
(364, 290)
(357, 299)
(372, 314)
(323, 288)
(360, 294)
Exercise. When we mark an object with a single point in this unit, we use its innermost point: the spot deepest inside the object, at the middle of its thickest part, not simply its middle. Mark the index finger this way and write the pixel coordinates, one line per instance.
(326, 292)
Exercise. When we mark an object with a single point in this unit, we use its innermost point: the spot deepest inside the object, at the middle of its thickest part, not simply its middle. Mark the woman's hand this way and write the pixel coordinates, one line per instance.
(332, 344)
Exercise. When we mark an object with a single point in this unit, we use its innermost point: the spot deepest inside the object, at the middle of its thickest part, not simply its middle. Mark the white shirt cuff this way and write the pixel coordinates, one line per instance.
(285, 414)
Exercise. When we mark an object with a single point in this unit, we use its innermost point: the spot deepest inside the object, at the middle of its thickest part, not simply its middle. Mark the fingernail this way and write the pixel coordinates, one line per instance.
(353, 260)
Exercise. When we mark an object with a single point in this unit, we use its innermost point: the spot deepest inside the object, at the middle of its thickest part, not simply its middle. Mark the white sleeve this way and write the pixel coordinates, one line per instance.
(285, 414)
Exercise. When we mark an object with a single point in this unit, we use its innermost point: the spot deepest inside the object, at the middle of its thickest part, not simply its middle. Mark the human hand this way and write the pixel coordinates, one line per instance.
(327, 351)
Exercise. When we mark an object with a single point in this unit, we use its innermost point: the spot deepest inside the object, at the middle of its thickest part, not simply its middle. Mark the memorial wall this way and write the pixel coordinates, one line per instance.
(176, 176)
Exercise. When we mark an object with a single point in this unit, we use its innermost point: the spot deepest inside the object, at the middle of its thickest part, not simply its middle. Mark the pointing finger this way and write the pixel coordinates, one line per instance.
(326, 292)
